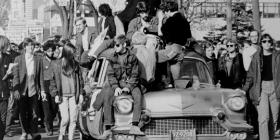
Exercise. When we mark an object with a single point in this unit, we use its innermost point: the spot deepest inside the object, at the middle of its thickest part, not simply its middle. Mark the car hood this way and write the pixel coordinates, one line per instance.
(184, 102)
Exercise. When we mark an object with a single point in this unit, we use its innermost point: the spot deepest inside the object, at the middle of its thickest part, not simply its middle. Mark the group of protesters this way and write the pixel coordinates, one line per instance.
(51, 78)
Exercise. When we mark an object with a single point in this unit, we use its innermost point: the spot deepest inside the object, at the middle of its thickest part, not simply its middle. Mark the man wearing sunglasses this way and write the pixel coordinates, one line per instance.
(263, 86)
(231, 73)
(123, 77)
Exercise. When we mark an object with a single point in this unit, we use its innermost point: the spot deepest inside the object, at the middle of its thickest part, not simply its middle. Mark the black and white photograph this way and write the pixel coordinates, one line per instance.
(139, 69)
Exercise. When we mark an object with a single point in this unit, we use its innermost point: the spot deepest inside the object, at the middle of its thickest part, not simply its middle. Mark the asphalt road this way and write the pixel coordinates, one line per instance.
(17, 133)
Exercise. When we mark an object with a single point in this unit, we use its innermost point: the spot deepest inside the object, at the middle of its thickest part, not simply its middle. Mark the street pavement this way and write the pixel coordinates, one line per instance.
(17, 133)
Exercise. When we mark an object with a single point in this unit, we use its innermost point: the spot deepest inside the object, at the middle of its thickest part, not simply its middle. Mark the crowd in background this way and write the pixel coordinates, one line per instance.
(46, 80)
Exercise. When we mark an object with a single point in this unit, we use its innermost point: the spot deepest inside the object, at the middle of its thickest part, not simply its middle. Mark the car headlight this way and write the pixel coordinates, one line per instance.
(124, 105)
(236, 103)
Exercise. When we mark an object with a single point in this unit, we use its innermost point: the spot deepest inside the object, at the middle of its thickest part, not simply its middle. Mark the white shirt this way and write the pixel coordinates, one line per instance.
(103, 24)
(29, 59)
(85, 40)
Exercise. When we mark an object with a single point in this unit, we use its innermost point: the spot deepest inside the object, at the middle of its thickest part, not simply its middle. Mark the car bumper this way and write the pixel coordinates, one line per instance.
(225, 136)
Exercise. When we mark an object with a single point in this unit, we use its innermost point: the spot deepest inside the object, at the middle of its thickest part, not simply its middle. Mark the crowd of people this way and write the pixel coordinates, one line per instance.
(48, 80)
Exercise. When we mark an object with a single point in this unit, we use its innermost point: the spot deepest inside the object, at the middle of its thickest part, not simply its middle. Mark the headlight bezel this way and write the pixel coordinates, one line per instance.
(236, 103)
(123, 105)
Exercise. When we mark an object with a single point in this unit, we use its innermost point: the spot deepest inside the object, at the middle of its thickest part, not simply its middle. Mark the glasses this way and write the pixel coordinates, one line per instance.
(230, 45)
(266, 41)
(117, 45)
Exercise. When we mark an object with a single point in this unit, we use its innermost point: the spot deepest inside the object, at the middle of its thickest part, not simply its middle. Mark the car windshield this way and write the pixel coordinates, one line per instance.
(193, 67)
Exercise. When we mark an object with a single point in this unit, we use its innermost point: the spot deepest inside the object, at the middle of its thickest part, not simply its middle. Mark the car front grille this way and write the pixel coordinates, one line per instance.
(203, 125)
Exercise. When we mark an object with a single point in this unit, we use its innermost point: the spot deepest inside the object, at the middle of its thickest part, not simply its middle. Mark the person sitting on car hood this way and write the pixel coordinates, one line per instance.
(123, 77)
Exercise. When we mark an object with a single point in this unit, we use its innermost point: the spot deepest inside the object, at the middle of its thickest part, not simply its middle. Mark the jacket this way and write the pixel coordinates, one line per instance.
(176, 29)
(5, 60)
(78, 81)
(237, 75)
(49, 81)
(20, 74)
(123, 76)
(110, 23)
(254, 79)
(135, 25)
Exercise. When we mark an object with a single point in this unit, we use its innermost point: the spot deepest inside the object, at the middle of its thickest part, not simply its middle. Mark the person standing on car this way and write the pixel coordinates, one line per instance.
(263, 86)
(123, 76)
(142, 23)
(107, 20)
(69, 84)
(176, 28)
(231, 72)
(29, 85)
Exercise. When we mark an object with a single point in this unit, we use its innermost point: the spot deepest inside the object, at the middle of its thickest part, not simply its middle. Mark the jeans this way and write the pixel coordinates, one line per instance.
(106, 97)
(268, 110)
(12, 111)
(28, 109)
(69, 115)
(50, 109)
(3, 114)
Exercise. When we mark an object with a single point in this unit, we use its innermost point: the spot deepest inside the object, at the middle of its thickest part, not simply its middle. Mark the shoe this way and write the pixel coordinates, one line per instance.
(23, 136)
(135, 130)
(105, 135)
(36, 137)
(9, 134)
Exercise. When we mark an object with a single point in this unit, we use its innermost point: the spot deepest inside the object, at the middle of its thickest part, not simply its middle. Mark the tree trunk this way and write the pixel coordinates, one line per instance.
(229, 19)
(256, 15)
(71, 19)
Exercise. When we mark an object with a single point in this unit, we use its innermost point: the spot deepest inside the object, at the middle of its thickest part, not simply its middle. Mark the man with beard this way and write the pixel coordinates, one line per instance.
(49, 106)
(143, 22)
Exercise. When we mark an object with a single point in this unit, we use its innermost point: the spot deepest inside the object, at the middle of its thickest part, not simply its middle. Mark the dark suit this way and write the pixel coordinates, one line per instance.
(110, 23)
(4, 92)
(28, 105)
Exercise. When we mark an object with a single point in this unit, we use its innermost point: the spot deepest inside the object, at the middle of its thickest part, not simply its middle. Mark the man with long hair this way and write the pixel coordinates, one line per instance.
(29, 85)
(4, 82)
(263, 86)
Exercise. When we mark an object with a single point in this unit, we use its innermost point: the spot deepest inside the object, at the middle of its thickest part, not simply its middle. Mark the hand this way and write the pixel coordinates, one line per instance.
(16, 95)
(43, 96)
(57, 99)
(118, 91)
(126, 90)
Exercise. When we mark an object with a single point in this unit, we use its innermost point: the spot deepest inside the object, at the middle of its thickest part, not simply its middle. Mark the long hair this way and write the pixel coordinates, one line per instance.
(269, 37)
(4, 43)
(105, 10)
(68, 62)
